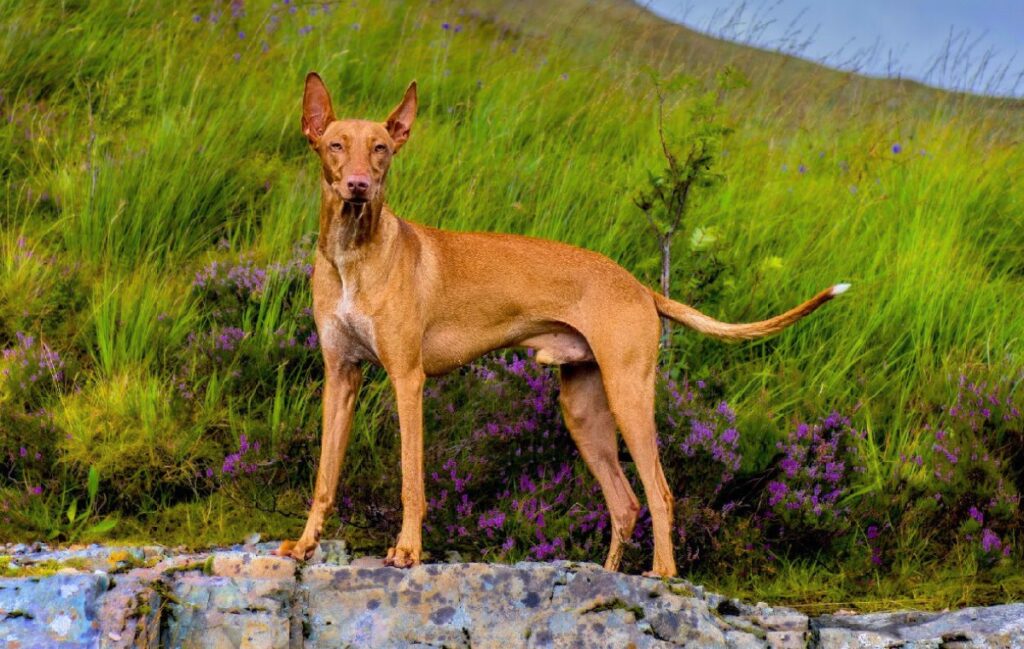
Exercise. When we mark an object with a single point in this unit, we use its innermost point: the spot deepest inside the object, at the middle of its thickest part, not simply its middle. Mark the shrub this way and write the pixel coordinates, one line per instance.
(255, 322)
(805, 500)
(29, 371)
(962, 490)
(248, 374)
(505, 481)
(32, 374)
(134, 431)
(39, 291)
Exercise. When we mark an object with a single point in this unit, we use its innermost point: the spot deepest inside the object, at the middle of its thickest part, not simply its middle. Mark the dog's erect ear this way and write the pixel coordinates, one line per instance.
(316, 108)
(400, 120)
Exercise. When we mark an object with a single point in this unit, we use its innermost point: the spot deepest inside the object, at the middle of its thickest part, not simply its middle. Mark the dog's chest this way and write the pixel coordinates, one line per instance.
(350, 327)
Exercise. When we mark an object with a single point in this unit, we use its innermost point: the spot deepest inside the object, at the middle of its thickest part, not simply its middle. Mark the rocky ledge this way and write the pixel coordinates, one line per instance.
(152, 597)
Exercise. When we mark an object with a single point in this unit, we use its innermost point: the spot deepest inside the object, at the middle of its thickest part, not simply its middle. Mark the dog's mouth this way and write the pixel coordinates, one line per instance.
(357, 207)
(349, 198)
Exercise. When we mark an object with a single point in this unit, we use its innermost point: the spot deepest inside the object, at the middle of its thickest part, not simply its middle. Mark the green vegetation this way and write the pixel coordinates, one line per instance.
(39, 569)
(158, 205)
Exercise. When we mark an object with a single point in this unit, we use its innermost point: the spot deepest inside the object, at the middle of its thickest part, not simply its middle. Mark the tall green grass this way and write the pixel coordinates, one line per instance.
(137, 138)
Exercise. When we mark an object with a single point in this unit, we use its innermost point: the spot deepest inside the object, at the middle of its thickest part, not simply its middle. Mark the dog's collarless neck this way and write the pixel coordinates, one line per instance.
(350, 229)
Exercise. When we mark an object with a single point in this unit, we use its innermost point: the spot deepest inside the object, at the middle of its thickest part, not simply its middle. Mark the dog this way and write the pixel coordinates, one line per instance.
(420, 302)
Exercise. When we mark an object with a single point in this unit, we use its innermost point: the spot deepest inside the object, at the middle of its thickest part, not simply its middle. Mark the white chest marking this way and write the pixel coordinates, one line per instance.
(350, 323)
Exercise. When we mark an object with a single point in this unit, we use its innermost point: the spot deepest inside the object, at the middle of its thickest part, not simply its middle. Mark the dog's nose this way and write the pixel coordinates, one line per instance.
(358, 184)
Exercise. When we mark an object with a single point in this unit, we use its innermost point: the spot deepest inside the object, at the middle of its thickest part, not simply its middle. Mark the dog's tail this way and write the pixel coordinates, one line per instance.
(694, 319)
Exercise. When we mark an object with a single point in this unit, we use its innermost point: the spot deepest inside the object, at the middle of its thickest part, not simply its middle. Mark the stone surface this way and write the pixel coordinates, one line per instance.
(994, 626)
(528, 605)
(129, 613)
(214, 612)
(57, 611)
(244, 597)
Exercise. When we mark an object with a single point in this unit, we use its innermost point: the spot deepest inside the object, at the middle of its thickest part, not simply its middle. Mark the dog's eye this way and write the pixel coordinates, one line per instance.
(380, 148)
(336, 146)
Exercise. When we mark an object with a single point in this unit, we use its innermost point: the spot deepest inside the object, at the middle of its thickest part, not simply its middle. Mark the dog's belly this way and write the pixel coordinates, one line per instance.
(560, 348)
(555, 343)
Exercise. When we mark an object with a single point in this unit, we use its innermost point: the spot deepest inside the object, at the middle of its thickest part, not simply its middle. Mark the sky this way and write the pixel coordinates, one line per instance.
(907, 38)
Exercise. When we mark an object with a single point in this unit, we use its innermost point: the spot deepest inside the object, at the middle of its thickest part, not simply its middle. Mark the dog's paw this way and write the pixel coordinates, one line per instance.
(285, 549)
(402, 558)
(298, 550)
(660, 574)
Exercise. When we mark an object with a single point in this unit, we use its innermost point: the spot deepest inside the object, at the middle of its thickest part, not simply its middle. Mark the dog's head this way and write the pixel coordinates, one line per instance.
(355, 153)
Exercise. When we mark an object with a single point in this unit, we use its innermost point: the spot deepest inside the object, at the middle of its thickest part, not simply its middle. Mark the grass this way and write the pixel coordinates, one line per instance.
(138, 143)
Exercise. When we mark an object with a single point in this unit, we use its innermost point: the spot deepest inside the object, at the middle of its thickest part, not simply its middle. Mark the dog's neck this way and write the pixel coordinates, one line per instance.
(347, 229)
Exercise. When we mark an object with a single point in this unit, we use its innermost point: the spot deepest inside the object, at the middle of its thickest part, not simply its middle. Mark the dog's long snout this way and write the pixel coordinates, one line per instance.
(358, 185)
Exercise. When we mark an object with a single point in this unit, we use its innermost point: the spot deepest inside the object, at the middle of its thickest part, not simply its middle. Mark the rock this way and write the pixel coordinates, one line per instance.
(226, 612)
(335, 552)
(531, 604)
(784, 628)
(56, 612)
(117, 598)
(129, 614)
(244, 564)
(91, 558)
(995, 626)
(742, 640)
(245, 602)
(367, 562)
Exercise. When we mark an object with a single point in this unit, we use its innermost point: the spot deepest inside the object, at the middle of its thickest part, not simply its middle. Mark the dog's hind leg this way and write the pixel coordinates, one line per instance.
(592, 427)
(628, 365)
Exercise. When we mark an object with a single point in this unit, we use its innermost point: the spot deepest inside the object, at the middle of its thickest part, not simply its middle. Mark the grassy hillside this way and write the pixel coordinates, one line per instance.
(158, 210)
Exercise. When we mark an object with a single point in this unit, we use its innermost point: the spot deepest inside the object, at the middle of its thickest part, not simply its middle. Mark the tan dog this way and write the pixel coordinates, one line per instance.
(422, 302)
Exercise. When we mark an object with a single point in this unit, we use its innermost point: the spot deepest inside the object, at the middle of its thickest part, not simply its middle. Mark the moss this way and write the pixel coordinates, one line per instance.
(205, 566)
(616, 604)
(123, 561)
(45, 568)
(163, 589)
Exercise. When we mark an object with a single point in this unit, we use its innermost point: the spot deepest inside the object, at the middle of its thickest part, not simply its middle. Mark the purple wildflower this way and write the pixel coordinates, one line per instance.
(990, 540)
(976, 515)
(777, 491)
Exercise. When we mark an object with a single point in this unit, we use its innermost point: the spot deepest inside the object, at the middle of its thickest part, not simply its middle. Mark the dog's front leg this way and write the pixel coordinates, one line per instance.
(408, 386)
(341, 385)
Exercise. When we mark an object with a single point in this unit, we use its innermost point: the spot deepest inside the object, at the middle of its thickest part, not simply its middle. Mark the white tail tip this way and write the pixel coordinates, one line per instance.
(839, 289)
